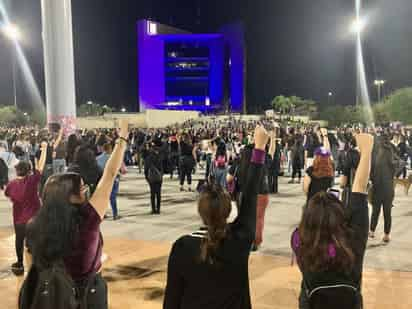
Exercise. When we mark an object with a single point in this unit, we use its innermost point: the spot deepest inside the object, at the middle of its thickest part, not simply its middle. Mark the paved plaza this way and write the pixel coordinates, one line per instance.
(137, 247)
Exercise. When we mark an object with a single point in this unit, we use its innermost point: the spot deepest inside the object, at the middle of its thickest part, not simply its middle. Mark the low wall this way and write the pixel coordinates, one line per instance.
(162, 118)
(148, 119)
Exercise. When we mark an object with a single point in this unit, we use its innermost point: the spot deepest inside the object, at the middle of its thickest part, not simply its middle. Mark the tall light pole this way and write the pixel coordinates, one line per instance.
(379, 84)
(357, 27)
(58, 53)
(13, 34)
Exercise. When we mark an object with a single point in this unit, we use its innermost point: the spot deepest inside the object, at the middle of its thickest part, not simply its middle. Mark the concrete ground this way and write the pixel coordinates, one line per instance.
(179, 216)
(138, 246)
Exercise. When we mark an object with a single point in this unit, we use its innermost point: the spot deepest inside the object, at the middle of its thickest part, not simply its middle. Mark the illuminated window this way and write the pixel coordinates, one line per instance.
(151, 28)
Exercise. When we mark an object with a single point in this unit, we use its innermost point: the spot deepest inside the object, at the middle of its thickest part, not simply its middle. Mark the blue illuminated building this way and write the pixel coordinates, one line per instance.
(182, 71)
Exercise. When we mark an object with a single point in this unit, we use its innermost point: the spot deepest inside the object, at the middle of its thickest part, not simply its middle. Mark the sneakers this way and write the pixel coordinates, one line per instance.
(17, 269)
(117, 218)
(182, 189)
(386, 239)
(291, 181)
(371, 234)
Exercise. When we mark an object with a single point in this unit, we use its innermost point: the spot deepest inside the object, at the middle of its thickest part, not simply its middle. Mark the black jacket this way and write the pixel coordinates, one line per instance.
(224, 285)
(153, 158)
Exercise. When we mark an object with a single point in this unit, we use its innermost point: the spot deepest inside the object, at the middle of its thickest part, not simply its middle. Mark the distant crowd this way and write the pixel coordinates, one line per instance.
(60, 186)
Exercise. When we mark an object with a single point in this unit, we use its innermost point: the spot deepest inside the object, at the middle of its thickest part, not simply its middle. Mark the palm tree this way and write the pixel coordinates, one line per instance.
(281, 104)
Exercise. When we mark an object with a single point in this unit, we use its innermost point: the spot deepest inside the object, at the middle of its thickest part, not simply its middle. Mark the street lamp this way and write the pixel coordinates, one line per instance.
(13, 34)
(358, 25)
(379, 84)
(123, 110)
(90, 103)
(330, 94)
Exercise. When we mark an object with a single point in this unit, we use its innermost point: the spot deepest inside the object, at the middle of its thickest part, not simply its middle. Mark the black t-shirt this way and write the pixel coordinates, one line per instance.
(318, 184)
(312, 144)
(186, 149)
(174, 146)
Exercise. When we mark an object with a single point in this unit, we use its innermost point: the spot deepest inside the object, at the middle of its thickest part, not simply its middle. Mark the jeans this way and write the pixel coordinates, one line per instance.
(113, 197)
(47, 172)
(377, 203)
(297, 171)
(155, 196)
(220, 176)
(59, 166)
(20, 230)
(273, 179)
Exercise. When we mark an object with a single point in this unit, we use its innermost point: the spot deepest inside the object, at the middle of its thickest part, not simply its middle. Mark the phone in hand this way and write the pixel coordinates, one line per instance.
(334, 192)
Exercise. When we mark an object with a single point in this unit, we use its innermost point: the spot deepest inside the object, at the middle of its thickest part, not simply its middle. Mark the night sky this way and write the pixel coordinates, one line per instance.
(294, 47)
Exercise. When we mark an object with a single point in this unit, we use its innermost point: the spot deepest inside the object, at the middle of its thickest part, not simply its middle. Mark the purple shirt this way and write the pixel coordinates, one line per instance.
(87, 249)
(24, 195)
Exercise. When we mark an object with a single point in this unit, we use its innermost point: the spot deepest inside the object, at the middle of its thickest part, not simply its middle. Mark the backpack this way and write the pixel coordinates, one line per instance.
(220, 161)
(50, 288)
(4, 173)
(154, 175)
(340, 293)
(53, 288)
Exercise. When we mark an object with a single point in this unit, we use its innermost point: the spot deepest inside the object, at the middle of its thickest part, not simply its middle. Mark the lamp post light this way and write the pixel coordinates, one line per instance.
(123, 110)
(357, 27)
(13, 34)
(330, 94)
(379, 84)
(90, 103)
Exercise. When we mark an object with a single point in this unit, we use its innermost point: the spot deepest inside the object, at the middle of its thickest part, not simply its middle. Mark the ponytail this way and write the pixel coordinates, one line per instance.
(211, 243)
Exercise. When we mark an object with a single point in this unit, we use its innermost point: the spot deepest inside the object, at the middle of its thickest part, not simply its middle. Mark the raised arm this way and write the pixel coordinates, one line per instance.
(247, 216)
(272, 147)
(365, 144)
(40, 164)
(59, 139)
(100, 198)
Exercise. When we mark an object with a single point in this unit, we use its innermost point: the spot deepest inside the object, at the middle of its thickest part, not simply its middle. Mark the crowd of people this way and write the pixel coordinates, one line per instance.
(60, 187)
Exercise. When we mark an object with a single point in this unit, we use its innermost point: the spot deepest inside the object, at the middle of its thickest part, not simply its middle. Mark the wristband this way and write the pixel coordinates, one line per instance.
(121, 142)
(124, 139)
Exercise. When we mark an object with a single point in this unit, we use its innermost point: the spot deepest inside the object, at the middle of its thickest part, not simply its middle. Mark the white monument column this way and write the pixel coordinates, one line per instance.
(59, 63)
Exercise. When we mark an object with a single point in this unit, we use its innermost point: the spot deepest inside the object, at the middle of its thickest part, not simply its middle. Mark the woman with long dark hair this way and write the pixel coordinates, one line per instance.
(67, 229)
(23, 193)
(85, 164)
(209, 268)
(331, 240)
(383, 189)
(72, 144)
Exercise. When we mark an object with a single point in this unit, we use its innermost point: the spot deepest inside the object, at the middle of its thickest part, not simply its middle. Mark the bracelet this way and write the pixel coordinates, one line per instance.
(121, 142)
(124, 139)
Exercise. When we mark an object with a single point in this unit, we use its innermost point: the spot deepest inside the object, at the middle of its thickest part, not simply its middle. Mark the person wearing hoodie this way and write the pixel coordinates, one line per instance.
(24, 195)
